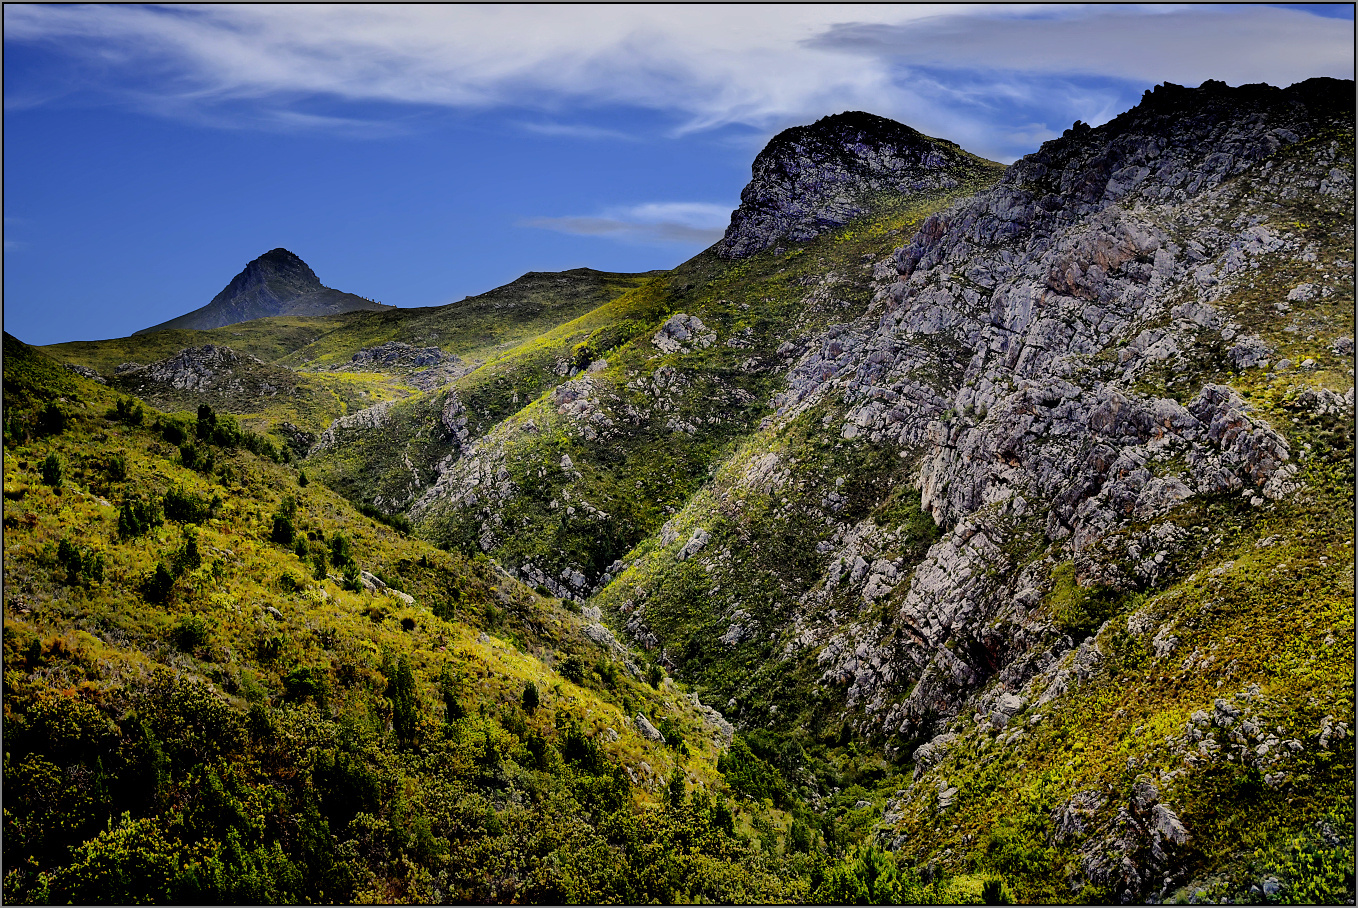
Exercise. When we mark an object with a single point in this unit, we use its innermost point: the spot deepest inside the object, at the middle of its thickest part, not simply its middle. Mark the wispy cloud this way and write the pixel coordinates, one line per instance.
(652, 223)
(702, 66)
(577, 131)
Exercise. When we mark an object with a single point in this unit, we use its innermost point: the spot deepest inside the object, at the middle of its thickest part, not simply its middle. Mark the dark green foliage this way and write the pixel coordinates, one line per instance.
(573, 669)
(530, 698)
(282, 532)
(158, 585)
(204, 459)
(995, 891)
(51, 471)
(405, 706)
(396, 521)
(186, 507)
(300, 548)
(115, 466)
(52, 419)
(341, 554)
(307, 683)
(301, 478)
(351, 579)
(125, 411)
(722, 818)
(172, 431)
(187, 557)
(81, 566)
(318, 564)
(750, 775)
(871, 878)
(654, 675)
(190, 632)
(137, 517)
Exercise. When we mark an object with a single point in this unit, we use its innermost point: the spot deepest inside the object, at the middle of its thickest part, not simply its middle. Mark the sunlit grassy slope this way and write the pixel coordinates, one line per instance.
(198, 708)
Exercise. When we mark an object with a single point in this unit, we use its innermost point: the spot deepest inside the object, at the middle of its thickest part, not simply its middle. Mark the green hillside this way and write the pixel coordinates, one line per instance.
(206, 701)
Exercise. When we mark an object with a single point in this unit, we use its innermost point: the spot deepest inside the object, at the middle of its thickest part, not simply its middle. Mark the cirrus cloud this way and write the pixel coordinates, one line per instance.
(660, 223)
(705, 66)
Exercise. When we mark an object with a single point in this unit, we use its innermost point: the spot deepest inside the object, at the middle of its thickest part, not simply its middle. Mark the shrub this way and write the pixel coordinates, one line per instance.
(81, 566)
(530, 698)
(51, 471)
(283, 532)
(190, 632)
(186, 557)
(127, 412)
(157, 585)
(186, 507)
(341, 553)
(306, 682)
(573, 669)
(654, 675)
(301, 479)
(137, 517)
(115, 466)
(405, 714)
(52, 419)
(172, 432)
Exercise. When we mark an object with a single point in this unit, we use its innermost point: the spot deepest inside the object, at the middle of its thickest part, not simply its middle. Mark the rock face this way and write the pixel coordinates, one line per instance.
(1090, 266)
(276, 283)
(810, 179)
(206, 369)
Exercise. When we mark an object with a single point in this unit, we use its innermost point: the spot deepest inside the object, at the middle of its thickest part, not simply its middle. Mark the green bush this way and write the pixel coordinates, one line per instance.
(573, 669)
(190, 632)
(307, 683)
(126, 411)
(81, 566)
(52, 419)
(137, 517)
(283, 532)
(185, 507)
(157, 586)
(51, 471)
(530, 698)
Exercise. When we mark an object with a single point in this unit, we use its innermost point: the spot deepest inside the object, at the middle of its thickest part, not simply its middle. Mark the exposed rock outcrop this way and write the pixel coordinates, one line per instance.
(810, 179)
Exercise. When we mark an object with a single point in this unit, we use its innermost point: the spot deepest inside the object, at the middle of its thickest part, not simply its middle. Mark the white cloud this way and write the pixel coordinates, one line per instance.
(651, 223)
(704, 65)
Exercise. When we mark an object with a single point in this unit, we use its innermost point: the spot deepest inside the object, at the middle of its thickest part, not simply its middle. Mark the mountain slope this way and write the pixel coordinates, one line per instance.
(276, 283)
(1112, 379)
(224, 684)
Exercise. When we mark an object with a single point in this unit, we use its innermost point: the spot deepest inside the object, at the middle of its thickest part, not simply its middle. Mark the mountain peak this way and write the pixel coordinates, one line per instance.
(813, 178)
(276, 283)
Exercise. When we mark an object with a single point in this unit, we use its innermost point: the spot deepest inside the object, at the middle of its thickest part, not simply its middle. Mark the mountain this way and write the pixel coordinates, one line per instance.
(1005, 514)
(810, 179)
(276, 283)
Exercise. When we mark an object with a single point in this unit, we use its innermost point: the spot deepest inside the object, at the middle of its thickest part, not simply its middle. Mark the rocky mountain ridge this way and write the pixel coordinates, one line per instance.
(276, 283)
(810, 179)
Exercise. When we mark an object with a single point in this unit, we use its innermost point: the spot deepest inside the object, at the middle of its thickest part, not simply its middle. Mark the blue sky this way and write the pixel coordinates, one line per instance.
(419, 154)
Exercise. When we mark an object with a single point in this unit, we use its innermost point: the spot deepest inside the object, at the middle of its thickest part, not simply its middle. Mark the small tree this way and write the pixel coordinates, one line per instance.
(530, 698)
(282, 533)
(51, 471)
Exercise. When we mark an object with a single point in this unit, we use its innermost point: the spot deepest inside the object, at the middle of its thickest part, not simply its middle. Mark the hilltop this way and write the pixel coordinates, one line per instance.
(276, 283)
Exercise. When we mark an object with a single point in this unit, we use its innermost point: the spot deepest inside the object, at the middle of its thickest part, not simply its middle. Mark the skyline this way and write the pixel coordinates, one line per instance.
(418, 155)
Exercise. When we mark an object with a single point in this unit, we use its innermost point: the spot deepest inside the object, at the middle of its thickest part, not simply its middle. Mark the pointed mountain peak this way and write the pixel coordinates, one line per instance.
(276, 283)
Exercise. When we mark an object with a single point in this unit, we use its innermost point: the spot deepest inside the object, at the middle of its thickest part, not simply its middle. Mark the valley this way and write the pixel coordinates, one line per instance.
(947, 533)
